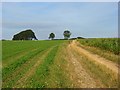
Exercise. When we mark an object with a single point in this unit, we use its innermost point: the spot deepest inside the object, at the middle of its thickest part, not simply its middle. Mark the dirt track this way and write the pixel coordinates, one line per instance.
(94, 57)
(79, 75)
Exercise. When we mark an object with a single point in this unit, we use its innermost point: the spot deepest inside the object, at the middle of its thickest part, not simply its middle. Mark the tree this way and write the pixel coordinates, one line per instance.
(25, 35)
(66, 34)
(52, 36)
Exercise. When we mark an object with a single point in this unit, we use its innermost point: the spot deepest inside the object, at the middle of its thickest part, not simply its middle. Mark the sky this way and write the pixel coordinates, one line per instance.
(82, 19)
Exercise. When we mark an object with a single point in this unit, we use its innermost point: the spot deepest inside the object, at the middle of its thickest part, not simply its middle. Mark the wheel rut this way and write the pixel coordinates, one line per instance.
(79, 76)
(109, 64)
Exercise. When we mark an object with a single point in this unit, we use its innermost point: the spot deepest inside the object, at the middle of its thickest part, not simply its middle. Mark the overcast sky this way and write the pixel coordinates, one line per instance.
(87, 19)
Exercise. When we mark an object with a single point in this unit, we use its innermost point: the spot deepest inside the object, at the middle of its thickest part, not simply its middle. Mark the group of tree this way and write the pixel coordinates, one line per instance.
(30, 35)
(66, 34)
(25, 35)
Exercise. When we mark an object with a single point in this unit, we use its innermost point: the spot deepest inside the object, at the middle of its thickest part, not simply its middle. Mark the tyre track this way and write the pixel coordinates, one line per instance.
(112, 66)
(80, 78)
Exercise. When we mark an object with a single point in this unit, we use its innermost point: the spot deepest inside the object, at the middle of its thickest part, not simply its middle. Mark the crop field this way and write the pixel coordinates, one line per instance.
(108, 44)
(79, 63)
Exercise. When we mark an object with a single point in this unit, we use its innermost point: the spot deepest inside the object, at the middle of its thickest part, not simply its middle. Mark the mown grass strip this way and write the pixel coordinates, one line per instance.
(37, 80)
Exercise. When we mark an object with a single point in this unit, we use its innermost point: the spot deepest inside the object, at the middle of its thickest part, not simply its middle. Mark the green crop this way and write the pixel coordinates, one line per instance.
(15, 65)
(108, 44)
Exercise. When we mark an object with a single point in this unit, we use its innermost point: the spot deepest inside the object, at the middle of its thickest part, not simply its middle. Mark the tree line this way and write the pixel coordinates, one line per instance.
(30, 35)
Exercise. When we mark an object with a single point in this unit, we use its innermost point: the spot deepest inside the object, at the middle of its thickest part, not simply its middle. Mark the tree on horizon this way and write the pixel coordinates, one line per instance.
(25, 35)
(52, 36)
(66, 34)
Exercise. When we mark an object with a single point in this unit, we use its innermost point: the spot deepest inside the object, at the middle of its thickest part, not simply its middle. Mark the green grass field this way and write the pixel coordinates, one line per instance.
(19, 56)
(46, 64)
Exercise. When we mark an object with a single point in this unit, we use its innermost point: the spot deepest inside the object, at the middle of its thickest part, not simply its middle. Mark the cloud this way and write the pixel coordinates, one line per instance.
(40, 25)
(83, 19)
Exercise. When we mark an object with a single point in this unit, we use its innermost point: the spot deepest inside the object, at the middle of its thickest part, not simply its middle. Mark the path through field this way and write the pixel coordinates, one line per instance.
(84, 80)
(58, 65)
(97, 58)
(79, 75)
